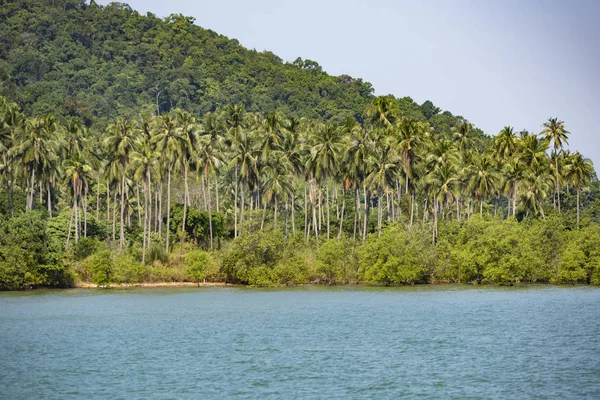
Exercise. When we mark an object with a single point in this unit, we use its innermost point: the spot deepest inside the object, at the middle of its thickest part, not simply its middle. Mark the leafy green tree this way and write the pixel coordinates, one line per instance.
(196, 263)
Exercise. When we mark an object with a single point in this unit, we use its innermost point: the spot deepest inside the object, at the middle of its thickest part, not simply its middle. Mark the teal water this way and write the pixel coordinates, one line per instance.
(431, 342)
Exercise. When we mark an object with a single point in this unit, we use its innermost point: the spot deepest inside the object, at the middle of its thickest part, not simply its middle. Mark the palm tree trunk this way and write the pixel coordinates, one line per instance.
(557, 186)
(76, 210)
(70, 226)
(342, 214)
(210, 225)
(327, 200)
(514, 200)
(357, 225)
(412, 207)
(185, 194)
(97, 196)
(139, 209)
(149, 212)
(235, 207)
(32, 189)
(577, 206)
(275, 214)
(49, 201)
(262, 222)
(107, 200)
(379, 211)
(168, 208)
(159, 196)
(293, 215)
(217, 192)
(481, 206)
(305, 210)
(145, 190)
(399, 194)
(366, 214)
(285, 222)
(85, 211)
(114, 215)
(122, 227)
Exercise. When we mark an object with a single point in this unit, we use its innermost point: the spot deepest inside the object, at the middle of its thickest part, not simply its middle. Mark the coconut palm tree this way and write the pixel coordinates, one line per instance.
(37, 147)
(505, 143)
(580, 172)
(144, 159)
(325, 153)
(536, 186)
(188, 129)
(484, 178)
(120, 144)
(384, 163)
(382, 111)
(209, 159)
(554, 131)
(77, 173)
(169, 143)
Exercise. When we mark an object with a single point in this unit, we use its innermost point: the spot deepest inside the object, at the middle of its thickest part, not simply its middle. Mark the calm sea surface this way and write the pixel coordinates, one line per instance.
(430, 342)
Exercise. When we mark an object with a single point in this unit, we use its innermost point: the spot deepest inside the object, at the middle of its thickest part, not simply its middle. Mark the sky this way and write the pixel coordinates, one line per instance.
(496, 63)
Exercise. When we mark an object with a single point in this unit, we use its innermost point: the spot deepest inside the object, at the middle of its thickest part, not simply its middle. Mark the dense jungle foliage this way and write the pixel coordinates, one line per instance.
(138, 149)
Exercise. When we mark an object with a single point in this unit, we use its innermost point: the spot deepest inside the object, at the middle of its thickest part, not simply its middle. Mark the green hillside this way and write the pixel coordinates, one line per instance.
(72, 58)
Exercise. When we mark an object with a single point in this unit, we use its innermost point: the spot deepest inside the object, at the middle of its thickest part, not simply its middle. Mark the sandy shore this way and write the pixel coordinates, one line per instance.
(89, 285)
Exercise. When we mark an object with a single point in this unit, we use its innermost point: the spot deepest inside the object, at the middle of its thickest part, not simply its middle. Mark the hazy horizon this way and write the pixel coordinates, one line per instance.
(511, 63)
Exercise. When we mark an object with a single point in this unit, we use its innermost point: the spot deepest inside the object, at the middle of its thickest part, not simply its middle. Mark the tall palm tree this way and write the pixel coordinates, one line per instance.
(484, 178)
(77, 172)
(169, 143)
(12, 126)
(382, 111)
(244, 161)
(144, 158)
(325, 154)
(554, 130)
(384, 162)
(536, 185)
(120, 143)
(580, 172)
(188, 129)
(36, 149)
(505, 143)
(208, 158)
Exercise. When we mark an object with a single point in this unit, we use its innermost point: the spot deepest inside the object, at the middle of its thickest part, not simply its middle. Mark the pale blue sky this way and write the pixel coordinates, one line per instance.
(496, 63)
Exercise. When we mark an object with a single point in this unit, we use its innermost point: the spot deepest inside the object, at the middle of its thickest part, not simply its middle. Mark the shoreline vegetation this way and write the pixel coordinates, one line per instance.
(138, 149)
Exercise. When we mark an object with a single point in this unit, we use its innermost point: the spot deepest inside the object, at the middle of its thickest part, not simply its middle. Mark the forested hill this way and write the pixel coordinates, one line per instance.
(74, 58)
